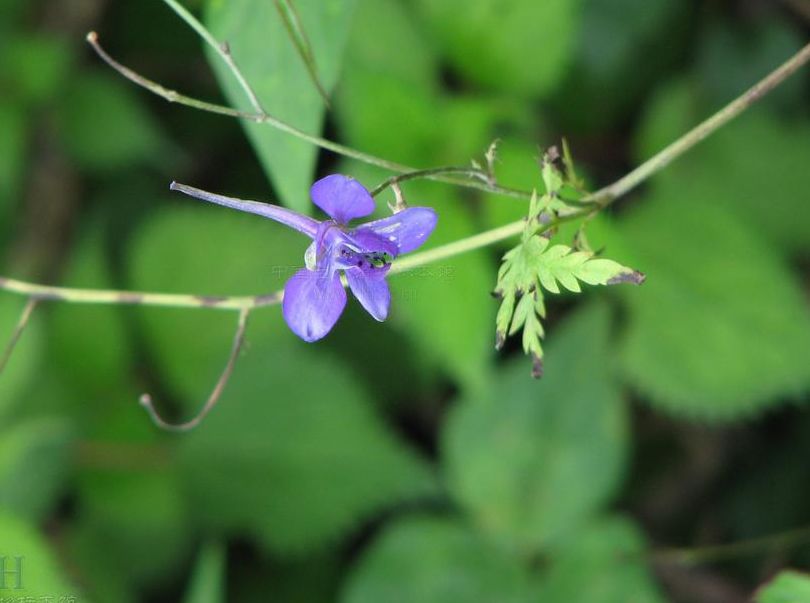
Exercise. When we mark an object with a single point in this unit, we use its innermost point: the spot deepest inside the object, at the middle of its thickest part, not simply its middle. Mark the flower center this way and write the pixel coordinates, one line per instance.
(364, 259)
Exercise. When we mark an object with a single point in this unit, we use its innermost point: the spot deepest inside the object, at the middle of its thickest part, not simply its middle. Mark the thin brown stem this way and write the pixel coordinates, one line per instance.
(170, 95)
(30, 305)
(298, 36)
(264, 118)
(238, 339)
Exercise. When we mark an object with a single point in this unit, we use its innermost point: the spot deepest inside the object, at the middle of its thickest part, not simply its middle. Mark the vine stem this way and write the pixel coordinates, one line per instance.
(697, 134)
(733, 550)
(601, 199)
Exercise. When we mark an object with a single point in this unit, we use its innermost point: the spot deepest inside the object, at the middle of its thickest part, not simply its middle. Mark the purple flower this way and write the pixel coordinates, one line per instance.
(314, 297)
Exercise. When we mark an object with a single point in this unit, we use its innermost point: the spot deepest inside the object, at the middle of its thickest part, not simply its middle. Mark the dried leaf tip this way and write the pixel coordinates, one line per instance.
(537, 366)
(634, 277)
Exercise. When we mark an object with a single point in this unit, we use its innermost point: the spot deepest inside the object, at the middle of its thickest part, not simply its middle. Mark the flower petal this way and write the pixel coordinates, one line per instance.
(407, 229)
(341, 197)
(313, 302)
(372, 293)
(370, 241)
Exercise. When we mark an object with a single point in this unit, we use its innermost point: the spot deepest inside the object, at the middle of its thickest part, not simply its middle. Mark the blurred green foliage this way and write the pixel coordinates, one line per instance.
(787, 587)
(406, 461)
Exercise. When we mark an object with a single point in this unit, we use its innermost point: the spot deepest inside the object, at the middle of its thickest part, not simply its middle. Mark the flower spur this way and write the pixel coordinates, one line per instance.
(314, 297)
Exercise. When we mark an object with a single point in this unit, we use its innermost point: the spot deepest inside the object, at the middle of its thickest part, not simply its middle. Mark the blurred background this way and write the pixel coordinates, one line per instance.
(406, 461)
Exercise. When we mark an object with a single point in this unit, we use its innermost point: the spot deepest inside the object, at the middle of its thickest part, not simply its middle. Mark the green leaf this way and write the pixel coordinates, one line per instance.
(270, 62)
(602, 563)
(96, 105)
(41, 575)
(532, 460)
(208, 580)
(721, 328)
(560, 263)
(789, 586)
(34, 458)
(435, 560)
(521, 46)
(295, 454)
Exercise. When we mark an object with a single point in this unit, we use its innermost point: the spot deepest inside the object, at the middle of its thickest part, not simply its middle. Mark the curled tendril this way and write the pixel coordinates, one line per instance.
(238, 339)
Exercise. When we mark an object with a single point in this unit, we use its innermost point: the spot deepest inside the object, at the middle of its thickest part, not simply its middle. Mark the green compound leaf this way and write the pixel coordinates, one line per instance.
(435, 560)
(535, 263)
(270, 61)
(788, 587)
(532, 460)
(602, 563)
(562, 264)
